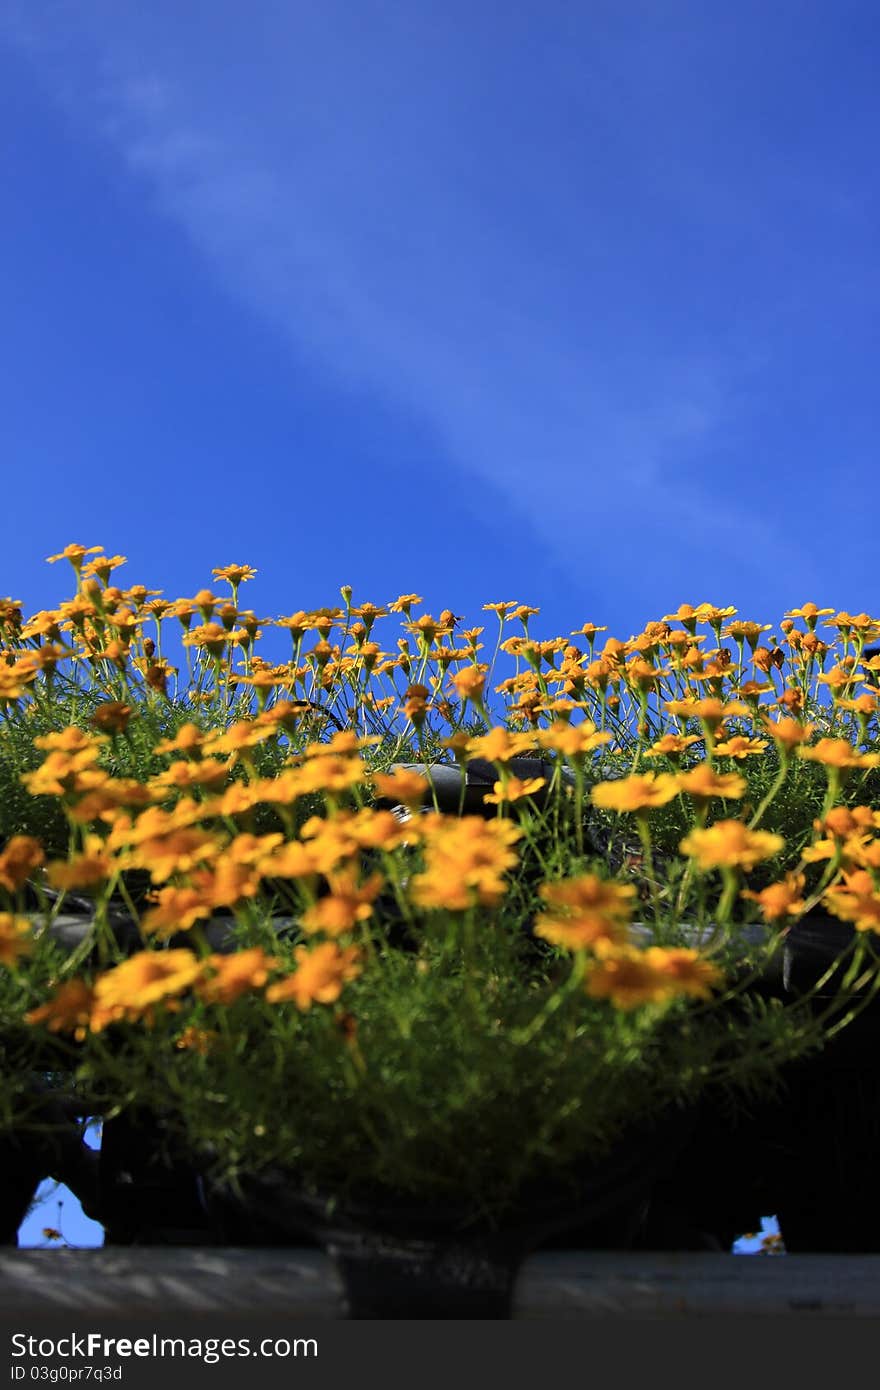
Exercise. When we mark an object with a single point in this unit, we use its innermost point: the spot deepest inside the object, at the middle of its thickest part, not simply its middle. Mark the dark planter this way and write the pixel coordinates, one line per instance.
(52, 1146)
(829, 1125)
(404, 1259)
(809, 1154)
(149, 1193)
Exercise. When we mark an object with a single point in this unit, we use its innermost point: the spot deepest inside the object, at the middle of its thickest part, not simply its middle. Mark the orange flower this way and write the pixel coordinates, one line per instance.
(809, 612)
(205, 773)
(230, 976)
(686, 971)
(68, 1011)
(502, 609)
(499, 745)
(740, 747)
(838, 753)
(857, 901)
(131, 989)
(780, 900)
(320, 975)
(347, 903)
(175, 853)
(328, 775)
(465, 859)
(629, 977)
(788, 733)
(730, 844)
(178, 909)
(572, 740)
(404, 603)
(711, 711)
(103, 566)
(22, 855)
(76, 554)
(403, 787)
(112, 716)
(87, 870)
(514, 789)
(71, 740)
(15, 937)
(702, 782)
(671, 745)
(235, 574)
(522, 611)
(585, 910)
(843, 821)
(469, 683)
(748, 632)
(638, 792)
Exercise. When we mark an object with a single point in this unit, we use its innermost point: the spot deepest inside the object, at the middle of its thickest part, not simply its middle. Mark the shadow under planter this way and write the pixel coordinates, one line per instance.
(405, 1259)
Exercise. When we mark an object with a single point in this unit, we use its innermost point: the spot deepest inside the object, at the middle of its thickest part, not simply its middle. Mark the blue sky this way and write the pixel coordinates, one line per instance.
(574, 304)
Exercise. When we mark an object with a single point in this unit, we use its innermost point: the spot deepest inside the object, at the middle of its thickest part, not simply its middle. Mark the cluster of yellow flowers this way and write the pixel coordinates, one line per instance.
(656, 696)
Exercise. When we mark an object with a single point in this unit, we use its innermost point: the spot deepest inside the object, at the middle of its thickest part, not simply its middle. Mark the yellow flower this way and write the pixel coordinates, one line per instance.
(702, 782)
(740, 747)
(857, 901)
(499, 745)
(502, 609)
(780, 900)
(809, 612)
(685, 970)
(572, 740)
(748, 632)
(514, 789)
(22, 855)
(320, 975)
(711, 711)
(205, 773)
(71, 740)
(522, 611)
(15, 938)
(404, 603)
(68, 1011)
(671, 745)
(103, 566)
(112, 716)
(87, 870)
(328, 775)
(347, 903)
(469, 683)
(235, 574)
(75, 554)
(788, 733)
(175, 853)
(341, 745)
(638, 792)
(402, 786)
(227, 977)
(629, 977)
(585, 910)
(465, 860)
(131, 989)
(839, 753)
(178, 909)
(105, 800)
(729, 844)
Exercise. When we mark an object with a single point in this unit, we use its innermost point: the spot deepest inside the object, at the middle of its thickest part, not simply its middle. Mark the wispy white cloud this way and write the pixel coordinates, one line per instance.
(373, 181)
